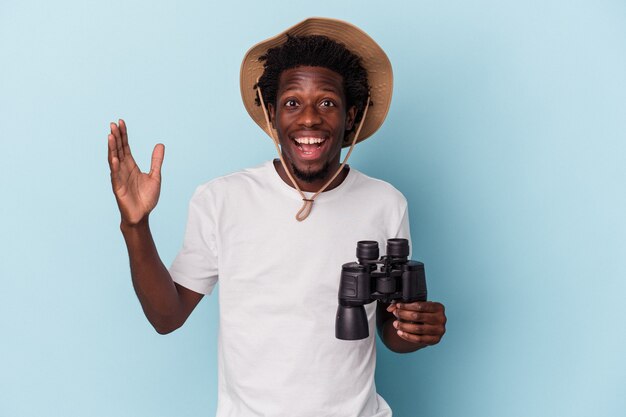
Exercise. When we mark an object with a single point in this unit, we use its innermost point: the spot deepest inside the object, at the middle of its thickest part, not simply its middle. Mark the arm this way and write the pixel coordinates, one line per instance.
(166, 304)
(407, 327)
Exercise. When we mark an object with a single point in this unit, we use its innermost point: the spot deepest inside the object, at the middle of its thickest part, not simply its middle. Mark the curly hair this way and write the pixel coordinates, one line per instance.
(315, 51)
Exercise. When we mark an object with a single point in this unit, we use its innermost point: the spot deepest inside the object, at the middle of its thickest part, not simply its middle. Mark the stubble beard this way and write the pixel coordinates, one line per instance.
(311, 176)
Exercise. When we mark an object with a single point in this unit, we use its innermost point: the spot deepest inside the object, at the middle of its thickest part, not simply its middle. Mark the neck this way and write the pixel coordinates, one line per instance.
(313, 186)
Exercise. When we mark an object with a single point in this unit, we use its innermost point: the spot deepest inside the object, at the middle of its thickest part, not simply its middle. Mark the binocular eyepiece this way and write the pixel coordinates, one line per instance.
(392, 277)
(367, 250)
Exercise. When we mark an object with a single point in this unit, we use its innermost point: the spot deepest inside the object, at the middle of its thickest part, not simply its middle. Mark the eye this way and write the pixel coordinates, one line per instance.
(327, 103)
(290, 103)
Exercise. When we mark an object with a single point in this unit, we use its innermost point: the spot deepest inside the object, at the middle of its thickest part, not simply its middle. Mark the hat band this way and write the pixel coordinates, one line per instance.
(307, 206)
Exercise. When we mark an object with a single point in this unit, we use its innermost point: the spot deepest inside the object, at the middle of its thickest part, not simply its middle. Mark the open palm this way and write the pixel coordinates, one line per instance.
(136, 192)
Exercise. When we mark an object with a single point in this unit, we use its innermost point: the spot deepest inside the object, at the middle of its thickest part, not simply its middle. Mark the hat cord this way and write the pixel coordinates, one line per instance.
(307, 206)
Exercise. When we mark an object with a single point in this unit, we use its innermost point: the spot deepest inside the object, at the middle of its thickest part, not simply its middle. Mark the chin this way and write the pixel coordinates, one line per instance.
(309, 175)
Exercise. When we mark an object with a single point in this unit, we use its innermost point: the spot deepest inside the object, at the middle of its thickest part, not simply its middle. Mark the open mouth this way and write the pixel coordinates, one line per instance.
(309, 146)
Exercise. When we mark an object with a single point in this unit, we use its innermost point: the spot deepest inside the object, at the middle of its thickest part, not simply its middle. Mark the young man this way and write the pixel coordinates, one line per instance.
(323, 86)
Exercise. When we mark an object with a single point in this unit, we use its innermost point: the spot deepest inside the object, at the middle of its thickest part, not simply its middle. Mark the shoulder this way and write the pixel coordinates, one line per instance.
(378, 188)
(240, 180)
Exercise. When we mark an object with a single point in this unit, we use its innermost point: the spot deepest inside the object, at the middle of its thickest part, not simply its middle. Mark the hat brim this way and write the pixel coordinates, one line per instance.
(373, 58)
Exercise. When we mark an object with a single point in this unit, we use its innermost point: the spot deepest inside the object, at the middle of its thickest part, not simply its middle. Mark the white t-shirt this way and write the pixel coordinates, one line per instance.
(279, 278)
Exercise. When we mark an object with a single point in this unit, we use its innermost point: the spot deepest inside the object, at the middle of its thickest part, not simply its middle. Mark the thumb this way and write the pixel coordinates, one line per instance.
(157, 160)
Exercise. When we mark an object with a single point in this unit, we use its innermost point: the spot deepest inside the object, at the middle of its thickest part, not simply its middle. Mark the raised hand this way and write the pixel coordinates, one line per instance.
(137, 193)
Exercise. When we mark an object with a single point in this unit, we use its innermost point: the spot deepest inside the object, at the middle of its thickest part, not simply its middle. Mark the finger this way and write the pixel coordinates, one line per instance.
(391, 307)
(115, 173)
(422, 306)
(114, 164)
(414, 316)
(421, 340)
(409, 315)
(112, 153)
(420, 329)
(157, 161)
(115, 131)
(124, 134)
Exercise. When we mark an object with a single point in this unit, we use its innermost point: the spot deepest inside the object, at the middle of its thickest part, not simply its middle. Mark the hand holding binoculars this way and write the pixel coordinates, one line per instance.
(390, 278)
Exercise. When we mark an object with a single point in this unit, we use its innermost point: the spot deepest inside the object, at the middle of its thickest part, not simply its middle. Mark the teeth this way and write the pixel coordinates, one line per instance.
(308, 141)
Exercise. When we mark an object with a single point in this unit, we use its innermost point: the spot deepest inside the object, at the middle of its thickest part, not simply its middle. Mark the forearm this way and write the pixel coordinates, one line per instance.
(153, 284)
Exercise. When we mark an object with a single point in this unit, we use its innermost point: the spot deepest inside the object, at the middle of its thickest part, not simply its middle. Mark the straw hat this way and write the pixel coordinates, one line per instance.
(374, 60)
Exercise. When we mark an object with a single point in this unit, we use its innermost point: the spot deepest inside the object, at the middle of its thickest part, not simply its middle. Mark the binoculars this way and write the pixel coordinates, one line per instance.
(390, 278)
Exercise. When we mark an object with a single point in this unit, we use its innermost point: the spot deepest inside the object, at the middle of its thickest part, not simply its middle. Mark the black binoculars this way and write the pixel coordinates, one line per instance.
(392, 277)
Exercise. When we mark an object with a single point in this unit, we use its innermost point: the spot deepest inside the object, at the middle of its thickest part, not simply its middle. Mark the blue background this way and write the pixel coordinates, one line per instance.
(506, 134)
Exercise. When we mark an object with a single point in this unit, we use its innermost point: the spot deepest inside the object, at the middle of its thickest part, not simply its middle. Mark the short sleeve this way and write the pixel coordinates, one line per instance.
(196, 267)
(404, 229)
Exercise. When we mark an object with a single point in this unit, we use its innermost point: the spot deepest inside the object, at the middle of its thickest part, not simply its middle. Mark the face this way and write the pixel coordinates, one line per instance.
(311, 118)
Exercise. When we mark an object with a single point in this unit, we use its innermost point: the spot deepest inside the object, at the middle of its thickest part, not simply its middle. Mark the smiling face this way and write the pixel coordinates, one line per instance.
(310, 117)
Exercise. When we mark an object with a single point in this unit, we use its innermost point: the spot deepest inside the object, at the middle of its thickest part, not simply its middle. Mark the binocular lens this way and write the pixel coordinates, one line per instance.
(398, 248)
(367, 249)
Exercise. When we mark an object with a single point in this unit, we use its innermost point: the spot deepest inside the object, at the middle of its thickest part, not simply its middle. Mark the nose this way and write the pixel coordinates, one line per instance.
(310, 116)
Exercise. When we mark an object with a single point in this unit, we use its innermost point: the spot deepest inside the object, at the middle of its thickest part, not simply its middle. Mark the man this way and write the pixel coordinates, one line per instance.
(321, 85)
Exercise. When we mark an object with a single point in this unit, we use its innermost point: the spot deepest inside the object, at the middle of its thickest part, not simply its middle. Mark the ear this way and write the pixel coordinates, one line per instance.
(350, 116)
(271, 112)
